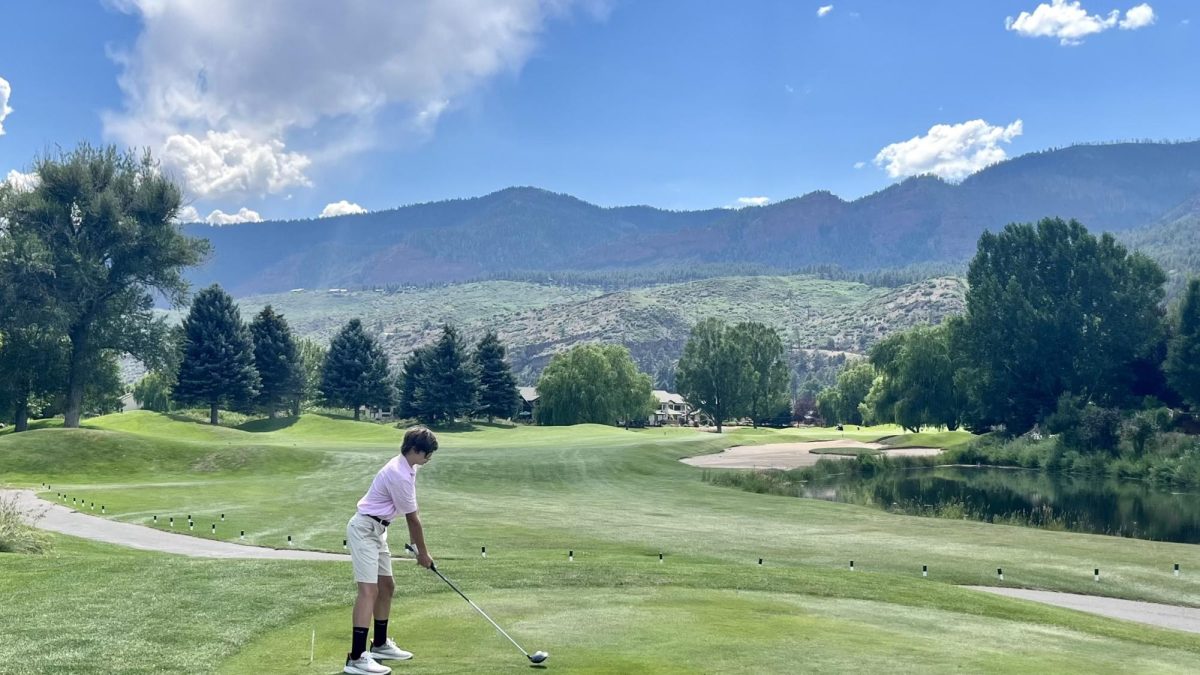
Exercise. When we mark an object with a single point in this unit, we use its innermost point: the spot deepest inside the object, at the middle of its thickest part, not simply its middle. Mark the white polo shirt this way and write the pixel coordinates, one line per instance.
(393, 493)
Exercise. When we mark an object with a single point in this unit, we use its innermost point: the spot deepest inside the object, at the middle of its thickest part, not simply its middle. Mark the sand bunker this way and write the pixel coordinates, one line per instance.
(793, 455)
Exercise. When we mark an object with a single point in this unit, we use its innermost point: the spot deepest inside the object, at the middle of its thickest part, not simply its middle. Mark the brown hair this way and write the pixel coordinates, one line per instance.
(419, 438)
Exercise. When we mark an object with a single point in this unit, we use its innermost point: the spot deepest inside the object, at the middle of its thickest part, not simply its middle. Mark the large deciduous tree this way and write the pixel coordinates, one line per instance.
(218, 355)
(103, 223)
(498, 394)
(593, 383)
(712, 372)
(914, 383)
(1052, 309)
(766, 370)
(843, 402)
(356, 371)
(312, 363)
(1183, 352)
(277, 358)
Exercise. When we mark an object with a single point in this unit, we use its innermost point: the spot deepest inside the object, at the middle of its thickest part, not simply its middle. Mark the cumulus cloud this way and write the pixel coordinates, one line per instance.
(859, 165)
(5, 94)
(1138, 17)
(824, 9)
(244, 215)
(22, 182)
(950, 151)
(1068, 21)
(753, 201)
(188, 214)
(306, 74)
(341, 208)
(223, 163)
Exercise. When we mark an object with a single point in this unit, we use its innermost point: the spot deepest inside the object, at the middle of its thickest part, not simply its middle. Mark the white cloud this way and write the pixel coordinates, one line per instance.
(1138, 17)
(824, 10)
(307, 75)
(859, 165)
(341, 208)
(244, 215)
(753, 201)
(188, 214)
(1068, 21)
(224, 163)
(950, 151)
(22, 182)
(5, 94)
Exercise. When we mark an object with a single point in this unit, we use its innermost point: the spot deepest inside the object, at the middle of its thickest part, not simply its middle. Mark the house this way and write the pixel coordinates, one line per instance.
(672, 409)
(529, 399)
(377, 414)
(128, 402)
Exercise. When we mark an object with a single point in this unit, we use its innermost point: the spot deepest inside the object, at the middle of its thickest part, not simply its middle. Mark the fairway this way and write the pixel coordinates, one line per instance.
(615, 498)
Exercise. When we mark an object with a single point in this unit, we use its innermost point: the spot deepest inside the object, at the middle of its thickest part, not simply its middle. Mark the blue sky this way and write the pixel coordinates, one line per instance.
(290, 109)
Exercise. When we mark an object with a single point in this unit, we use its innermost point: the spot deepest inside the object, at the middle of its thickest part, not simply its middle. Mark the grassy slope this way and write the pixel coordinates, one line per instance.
(614, 497)
(537, 320)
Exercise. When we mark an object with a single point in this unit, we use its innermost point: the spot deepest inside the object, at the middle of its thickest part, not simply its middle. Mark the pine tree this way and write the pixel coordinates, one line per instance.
(412, 385)
(498, 395)
(218, 357)
(450, 381)
(277, 358)
(356, 371)
(1183, 352)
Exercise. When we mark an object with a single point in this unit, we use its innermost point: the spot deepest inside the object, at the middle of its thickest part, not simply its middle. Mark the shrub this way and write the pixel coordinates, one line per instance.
(16, 535)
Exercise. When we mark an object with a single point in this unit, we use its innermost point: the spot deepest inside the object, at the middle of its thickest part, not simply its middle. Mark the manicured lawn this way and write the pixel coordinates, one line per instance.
(616, 498)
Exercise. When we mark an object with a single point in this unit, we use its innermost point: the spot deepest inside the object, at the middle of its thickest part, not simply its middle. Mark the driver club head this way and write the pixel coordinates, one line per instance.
(538, 656)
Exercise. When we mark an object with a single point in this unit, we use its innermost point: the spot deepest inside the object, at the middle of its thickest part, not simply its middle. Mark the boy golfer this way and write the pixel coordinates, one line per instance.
(392, 493)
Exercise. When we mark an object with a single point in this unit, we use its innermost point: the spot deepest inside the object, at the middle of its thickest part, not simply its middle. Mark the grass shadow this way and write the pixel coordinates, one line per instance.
(267, 425)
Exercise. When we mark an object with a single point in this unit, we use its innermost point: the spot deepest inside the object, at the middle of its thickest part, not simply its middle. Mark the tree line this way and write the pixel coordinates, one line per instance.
(263, 368)
(1062, 330)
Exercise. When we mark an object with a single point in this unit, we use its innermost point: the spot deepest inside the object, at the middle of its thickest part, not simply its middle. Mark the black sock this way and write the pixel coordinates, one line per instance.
(359, 645)
(380, 632)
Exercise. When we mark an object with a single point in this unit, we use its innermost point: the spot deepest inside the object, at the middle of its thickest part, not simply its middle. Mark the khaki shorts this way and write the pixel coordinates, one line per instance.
(369, 552)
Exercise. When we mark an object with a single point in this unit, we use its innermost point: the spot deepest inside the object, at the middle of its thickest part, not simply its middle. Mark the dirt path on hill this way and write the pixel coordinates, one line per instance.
(65, 520)
(1163, 616)
(792, 455)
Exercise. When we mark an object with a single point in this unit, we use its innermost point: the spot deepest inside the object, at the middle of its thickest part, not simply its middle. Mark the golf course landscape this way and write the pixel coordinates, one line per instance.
(615, 498)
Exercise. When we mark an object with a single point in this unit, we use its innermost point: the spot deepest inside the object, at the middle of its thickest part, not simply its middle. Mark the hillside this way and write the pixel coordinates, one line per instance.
(1114, 187)
(820, 319)
(1174, 242)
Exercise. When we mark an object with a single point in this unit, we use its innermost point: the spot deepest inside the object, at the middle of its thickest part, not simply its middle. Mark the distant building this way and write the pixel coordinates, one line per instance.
(672, 409)
(374, 414)
(128, 402)
(529, 399)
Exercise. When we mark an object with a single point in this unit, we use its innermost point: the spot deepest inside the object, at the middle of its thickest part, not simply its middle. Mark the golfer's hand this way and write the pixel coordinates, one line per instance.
(424, 560)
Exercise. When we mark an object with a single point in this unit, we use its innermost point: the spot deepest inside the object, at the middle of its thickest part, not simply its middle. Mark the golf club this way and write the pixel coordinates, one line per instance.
(536, 657)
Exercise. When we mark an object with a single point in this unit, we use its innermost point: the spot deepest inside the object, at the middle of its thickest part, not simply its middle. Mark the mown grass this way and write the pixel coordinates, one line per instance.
(616, 498)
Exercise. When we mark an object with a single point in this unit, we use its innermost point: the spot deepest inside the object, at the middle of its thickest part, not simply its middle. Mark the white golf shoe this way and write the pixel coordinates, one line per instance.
(365, 665)
(390, 652)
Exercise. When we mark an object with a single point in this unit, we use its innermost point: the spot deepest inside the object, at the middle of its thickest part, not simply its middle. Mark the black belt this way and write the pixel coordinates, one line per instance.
(377, 519)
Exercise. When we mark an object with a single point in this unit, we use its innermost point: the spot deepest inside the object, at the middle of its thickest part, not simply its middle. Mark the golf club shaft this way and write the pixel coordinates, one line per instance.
(482, 613)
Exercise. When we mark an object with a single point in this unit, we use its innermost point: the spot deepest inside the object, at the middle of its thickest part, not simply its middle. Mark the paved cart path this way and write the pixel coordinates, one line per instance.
(65, 520)
(1164, 616)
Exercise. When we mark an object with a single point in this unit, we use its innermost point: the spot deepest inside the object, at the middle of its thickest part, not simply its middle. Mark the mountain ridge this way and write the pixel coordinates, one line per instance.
(1114, 187)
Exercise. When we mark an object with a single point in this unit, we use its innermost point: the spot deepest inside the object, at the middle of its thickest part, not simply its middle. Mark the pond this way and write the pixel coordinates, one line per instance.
(1024, 497)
